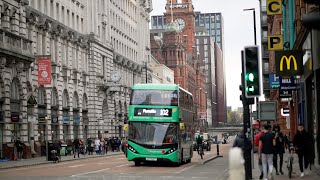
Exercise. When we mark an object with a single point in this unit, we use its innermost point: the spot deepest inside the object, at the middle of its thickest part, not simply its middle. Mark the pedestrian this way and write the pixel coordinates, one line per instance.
(97, 145)
(57, 146)
(278, 149)
(266, 143)
(19, 147)
(256, 143)
(90, 146)
(76, 147)
(303, 143)
(246, 146)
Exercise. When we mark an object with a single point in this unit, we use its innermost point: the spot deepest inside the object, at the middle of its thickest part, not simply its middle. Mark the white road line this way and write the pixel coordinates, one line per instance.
(184, 169)
(199, 177)
(79, 165)
(122, 158)
(90, 172)
(123, 165)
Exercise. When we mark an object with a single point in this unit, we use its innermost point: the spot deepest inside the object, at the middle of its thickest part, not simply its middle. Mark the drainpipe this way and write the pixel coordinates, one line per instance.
(284, 24)
(291, 27)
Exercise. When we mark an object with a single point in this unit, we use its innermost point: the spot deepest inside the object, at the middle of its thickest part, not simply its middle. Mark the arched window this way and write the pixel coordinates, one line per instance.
(41, 95)
(84, 102)
(54, 98)
(75, 102)
(65, 99)
(14, 90)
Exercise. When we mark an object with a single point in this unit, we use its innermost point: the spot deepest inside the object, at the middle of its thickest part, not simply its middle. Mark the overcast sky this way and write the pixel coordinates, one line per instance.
(238, 32)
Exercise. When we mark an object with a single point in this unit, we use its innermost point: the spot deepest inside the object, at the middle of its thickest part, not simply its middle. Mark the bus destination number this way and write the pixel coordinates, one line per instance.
(164, 112)
(155, 112)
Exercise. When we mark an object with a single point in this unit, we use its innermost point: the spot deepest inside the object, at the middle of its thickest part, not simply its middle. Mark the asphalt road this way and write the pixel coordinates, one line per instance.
(118, 168)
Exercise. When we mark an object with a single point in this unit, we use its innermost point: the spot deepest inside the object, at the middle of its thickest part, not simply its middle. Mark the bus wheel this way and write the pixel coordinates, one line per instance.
(137, 163)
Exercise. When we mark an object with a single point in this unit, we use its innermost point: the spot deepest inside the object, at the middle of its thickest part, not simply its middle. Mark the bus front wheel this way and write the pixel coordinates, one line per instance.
(137, 163)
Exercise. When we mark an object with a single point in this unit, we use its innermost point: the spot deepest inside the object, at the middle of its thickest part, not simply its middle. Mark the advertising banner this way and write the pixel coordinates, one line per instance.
(44, 70)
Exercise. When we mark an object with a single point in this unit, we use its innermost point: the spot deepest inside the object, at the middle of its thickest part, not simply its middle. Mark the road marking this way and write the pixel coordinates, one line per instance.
(199, 177)
(122, 158)
(123, 165)
(79, 165)
(90, 172)
(184, 169)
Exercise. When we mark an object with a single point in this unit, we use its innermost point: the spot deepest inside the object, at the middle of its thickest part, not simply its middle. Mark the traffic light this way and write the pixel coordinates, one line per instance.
(252, 71)
(246, 100)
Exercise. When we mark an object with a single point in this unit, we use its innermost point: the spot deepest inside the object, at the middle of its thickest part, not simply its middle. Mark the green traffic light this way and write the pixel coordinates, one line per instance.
(250, 77)
(250, 89)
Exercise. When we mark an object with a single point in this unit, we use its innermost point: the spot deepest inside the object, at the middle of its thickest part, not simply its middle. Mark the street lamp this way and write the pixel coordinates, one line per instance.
(254, 23)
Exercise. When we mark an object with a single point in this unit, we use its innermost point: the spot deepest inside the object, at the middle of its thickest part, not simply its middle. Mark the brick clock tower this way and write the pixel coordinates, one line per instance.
(181, 12)
(181, 56)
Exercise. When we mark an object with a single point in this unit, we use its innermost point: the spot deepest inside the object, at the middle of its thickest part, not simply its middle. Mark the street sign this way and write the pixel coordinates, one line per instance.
(267, 110)
(275, 42)
(274, 81)
(285, 112)
(274, 7)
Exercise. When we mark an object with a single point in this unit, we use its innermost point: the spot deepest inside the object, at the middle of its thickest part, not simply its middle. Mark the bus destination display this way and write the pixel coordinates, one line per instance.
(155, 112)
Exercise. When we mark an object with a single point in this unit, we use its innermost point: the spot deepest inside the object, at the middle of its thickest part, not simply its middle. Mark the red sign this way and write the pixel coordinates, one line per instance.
(44, 70)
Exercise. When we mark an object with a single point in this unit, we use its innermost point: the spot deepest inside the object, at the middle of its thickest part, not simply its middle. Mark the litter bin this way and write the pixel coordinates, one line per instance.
(50, 148)
(63, 151)
(69, 150)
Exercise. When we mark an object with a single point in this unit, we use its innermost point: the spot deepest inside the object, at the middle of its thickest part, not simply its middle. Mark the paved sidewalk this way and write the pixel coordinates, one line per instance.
(42, 160)
(314, 175)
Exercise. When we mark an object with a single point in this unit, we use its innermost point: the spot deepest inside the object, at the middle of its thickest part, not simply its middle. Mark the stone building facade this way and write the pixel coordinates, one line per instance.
(97, 50)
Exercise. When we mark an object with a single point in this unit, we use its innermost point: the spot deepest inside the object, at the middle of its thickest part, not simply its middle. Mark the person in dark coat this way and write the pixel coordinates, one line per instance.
(303, 143)
(19, 147)
(246, 146)
(57, 146)
(278, 149)
(76, 147)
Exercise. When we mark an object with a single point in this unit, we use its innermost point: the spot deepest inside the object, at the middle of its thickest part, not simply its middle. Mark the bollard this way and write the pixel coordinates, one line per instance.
(218, 153)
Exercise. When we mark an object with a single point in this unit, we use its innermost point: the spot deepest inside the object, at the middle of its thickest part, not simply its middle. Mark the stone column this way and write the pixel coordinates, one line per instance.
(23, 25)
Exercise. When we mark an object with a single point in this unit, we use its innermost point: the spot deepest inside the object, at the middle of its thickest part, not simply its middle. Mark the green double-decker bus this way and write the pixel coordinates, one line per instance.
(161, 124)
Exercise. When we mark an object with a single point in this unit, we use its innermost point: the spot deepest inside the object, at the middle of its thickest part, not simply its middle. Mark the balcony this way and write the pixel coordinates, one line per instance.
(16, 46)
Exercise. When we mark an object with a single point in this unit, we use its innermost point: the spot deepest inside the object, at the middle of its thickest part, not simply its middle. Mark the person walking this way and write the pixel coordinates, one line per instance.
(303, 143)
(76, 147)
(246, 146)
(256, 143)
(266, 143)
(278, 149)
(19, 147)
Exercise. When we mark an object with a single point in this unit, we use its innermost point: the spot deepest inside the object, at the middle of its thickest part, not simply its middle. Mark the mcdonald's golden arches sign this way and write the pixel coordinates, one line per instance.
(289, 63)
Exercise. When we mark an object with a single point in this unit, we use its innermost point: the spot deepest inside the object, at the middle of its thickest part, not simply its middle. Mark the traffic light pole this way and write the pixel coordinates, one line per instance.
(246, 125)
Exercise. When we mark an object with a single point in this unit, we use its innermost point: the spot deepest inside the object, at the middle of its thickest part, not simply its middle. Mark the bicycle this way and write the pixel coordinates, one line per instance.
(290, 160)
(200, 150)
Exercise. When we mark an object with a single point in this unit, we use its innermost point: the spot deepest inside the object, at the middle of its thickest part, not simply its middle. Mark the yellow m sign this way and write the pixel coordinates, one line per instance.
(288, 62)
(293, 60)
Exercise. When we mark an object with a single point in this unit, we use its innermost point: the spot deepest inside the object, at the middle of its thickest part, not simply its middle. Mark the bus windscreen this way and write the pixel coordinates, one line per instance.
(154, 97)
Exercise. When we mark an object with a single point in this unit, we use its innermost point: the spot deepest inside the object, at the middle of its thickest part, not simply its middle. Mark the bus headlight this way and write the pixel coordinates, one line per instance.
(132, 149)
(171, 151)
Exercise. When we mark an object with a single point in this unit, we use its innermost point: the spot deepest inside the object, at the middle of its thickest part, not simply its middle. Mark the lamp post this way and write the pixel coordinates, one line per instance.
(254, 23)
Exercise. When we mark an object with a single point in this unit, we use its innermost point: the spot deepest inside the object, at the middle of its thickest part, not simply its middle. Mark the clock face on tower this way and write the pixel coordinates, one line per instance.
(180, 23)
